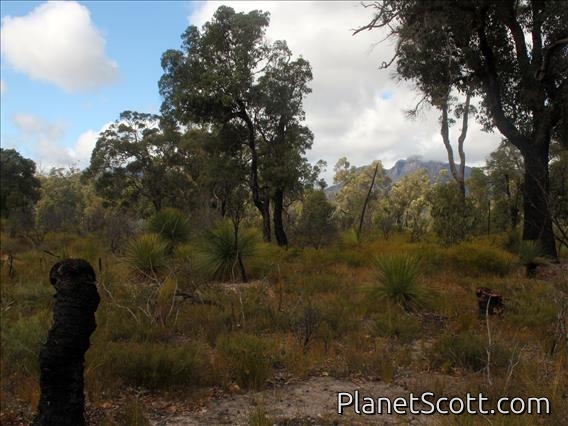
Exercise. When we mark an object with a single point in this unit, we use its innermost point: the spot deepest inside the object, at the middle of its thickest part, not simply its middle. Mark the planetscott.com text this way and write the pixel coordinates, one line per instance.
(427, 403)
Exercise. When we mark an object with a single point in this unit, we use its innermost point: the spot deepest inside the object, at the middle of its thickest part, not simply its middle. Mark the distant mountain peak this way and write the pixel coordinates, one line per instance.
(409, 165)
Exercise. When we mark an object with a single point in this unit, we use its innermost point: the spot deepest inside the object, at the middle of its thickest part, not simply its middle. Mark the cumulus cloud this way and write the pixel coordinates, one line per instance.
(57, 42)
(44, 139)
(355, 109)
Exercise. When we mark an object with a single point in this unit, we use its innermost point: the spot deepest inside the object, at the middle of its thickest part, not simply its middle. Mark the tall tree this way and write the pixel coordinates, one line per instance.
(278, 119)
(514, 55)
(19, 188)
(228, 74)
(141, 156)
(505, 171)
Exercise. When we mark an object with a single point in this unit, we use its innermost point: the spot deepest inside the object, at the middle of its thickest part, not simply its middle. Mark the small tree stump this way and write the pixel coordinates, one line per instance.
(62, 357)
(489, 301)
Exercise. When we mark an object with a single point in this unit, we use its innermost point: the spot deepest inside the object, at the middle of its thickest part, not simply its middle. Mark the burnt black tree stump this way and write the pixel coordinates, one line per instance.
(62, 357)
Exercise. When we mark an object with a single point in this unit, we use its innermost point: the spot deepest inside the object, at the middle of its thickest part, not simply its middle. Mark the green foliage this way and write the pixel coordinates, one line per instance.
(452, 215)
(21, 342)
(398, 277)
(147, 254)
(354, 193)
(477, 258)
(530, 253)
(220, 254)
(247, 359)
(63, 201)
(139, 158)
(315, 226)
(407, 205)
(393, 323)
(466, 350)
(172, 225)
(19, 189)
(221, 84)
(157, 366)
(463, 350)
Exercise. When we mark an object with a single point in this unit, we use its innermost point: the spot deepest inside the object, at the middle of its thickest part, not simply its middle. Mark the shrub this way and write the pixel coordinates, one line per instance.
(246, 358)
(463, 350)
(158, 366)
(396, 324)
(468, 351)
(172, 225)
(223, 258)
(398, 276)
(147, 254)
(531, 256)
(21, 343)
(476, 258)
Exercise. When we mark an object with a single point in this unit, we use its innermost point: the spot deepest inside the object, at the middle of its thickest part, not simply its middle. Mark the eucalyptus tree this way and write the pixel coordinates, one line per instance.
(140, 156)
(280, 113)
(361, 189)
(505, 171)
(227, 73)
(19, 188)
(511, 53)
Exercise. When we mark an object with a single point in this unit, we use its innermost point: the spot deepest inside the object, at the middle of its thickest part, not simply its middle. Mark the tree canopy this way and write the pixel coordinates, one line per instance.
(513, 54)
(19, 188)
(228, 74)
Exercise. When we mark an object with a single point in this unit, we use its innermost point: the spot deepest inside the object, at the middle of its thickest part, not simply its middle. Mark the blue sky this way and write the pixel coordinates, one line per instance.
(133, 39)
(69, 68)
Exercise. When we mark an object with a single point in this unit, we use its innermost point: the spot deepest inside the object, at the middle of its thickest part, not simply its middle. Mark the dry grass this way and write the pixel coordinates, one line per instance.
(253, 335)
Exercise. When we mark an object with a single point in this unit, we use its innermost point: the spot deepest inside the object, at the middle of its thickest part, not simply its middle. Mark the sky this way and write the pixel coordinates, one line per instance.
(68, 70)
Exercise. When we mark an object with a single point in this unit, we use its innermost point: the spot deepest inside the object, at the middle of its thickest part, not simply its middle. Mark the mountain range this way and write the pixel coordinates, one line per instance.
(403, 167)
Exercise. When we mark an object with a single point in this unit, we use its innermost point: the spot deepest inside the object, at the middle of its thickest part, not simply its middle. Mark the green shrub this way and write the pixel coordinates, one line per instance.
(21, 342)
(157, 365)
(147, 254)
(468, 351)
(247, 359)
(172, 225)
(399, 325)
(480, 259)
(463, 350)
(398, 277)
(531, 256)
(219, 256)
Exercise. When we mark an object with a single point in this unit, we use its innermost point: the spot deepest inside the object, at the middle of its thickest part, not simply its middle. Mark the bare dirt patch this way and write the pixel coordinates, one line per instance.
(309, 402)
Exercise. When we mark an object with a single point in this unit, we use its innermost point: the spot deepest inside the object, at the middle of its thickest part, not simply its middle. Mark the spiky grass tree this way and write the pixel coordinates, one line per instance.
(223, 251)
(398, 276)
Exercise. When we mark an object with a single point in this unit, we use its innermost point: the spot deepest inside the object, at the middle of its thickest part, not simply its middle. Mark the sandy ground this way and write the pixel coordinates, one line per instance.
(310, 402)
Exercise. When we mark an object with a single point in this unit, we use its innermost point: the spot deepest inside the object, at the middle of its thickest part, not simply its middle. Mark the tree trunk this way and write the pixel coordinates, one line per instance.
(261, 202)
(366, 202)
(279, 232)
(264, 208)
(62, 356)
(537, 220)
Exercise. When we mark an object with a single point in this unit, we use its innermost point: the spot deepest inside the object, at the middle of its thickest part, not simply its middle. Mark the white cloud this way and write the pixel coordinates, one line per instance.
(348, 110)
(2, 87)
(42, 139)
(58, 43)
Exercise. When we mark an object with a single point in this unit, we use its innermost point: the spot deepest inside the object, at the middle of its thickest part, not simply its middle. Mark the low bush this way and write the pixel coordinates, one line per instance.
(158, 366)
(479, 259)
(246, 358)
(468, 351)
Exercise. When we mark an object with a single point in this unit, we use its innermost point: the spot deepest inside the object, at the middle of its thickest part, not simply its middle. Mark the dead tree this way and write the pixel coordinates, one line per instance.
(62, 357)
